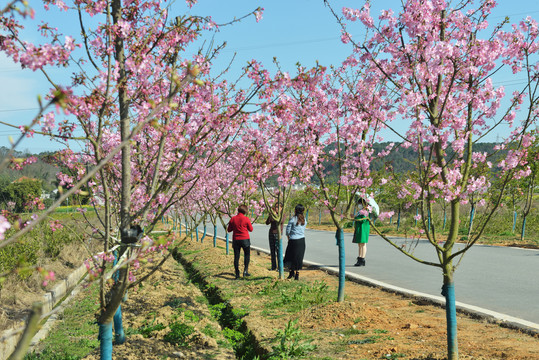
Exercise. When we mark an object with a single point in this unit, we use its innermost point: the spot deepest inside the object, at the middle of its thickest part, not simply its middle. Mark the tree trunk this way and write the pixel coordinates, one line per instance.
(399, 219)
(472, 213)
(203, 234)
(523, 231)
(110, 309)
(280, 255)
(448, 291)
(342, 264)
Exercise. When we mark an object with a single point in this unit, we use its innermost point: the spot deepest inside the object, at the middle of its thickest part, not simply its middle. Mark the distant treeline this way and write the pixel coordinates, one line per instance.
(403, 160)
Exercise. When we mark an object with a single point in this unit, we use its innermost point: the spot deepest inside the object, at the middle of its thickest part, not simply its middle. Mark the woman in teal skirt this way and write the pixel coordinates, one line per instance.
(362, 228)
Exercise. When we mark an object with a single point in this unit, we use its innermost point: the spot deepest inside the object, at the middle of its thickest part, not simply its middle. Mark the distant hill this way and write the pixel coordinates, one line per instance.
(40, 170)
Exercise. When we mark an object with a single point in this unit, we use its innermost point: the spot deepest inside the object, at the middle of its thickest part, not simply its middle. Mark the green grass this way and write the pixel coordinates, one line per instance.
(75, 335)
(295, 296)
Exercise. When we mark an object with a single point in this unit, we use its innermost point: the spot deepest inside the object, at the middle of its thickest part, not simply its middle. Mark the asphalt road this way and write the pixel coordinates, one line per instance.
(499, 279)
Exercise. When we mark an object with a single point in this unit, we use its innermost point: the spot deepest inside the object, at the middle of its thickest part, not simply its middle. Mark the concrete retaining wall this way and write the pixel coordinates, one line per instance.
(8, 340)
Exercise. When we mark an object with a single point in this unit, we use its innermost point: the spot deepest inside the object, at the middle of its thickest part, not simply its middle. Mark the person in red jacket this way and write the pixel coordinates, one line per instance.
(240, 225)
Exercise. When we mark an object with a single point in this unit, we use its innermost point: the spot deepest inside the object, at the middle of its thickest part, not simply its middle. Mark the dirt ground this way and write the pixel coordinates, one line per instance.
(157, 302)
(369, 324)
(400, 327)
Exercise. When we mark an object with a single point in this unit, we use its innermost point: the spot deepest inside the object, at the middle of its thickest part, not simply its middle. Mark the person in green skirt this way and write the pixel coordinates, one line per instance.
(362, 229)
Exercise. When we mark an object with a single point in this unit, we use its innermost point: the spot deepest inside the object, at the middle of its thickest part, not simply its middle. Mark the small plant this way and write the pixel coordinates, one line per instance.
(216, 311)
(367, 340)
(320, 292)
(210, 331)
(147, 330)
(353, 331)
(179, 334)
(189, 315)
(297, 297)
(175, 302)
(234, 337)
(269, 289)
(202, 299)
(290, 343)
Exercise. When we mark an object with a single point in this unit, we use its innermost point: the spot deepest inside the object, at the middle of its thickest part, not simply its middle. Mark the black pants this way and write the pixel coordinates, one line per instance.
(237, 245)
(274, 249)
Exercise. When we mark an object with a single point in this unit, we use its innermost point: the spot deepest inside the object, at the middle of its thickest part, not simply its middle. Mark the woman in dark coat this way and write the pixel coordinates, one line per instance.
(295, 231)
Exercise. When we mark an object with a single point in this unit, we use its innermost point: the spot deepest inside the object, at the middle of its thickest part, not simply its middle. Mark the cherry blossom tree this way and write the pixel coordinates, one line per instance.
(436, 61)
(279, 160)
(324, 128)
(151, 125)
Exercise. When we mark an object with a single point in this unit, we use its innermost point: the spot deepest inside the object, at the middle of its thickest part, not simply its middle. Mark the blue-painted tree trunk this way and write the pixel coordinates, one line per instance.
(214, 235)
(416, 213)
(342, 264)
(514, 221)
(448, 291)
(119, 334)
(523, 232)
(196, 232)
(472, 213)
(399, 220)
(203, 235)
(117, 319)
(280, 257)
(445, 220)
(226, 241)
(307, 216)
(105, 341)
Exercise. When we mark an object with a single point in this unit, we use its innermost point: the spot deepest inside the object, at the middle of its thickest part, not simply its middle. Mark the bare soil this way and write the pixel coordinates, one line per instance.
(369, 324)
(397, 326)
(167, 297)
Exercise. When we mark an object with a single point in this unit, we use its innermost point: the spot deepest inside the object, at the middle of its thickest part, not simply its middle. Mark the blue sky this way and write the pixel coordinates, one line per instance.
(291, 30)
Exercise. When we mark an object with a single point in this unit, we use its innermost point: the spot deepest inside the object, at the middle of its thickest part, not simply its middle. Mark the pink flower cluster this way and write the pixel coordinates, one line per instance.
(4, 226)
(55, 225)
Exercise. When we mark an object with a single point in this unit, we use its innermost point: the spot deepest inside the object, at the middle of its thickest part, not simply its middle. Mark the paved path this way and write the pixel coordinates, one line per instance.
(501, 279)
